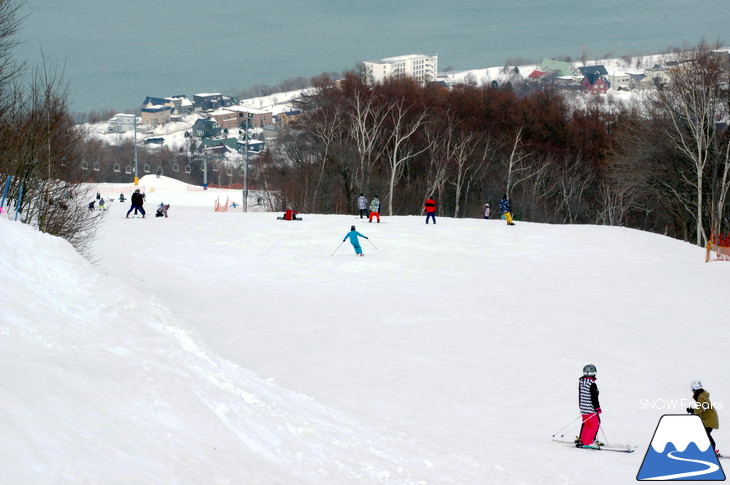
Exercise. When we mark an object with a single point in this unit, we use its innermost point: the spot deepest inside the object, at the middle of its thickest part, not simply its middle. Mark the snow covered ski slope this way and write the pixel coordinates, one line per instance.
(231, 348)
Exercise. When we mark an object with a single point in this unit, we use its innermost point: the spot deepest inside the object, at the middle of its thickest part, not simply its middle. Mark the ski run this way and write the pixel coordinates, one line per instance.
(235, 348)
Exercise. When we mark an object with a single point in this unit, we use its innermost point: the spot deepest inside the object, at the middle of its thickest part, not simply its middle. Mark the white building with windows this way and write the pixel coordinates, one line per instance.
(122, 123)
(421, 67)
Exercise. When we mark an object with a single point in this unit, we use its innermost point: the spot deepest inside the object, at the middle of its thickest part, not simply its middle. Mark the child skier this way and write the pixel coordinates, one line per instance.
(353, 234)
(704, 409)
(590, 408)
(486, 210)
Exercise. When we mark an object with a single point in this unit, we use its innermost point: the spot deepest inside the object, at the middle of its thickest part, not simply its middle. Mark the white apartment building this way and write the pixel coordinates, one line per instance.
(421, 67)
(121, 123)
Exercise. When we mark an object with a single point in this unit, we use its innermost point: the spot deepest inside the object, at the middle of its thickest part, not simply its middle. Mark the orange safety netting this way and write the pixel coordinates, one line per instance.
(221, 208)
(720, 245)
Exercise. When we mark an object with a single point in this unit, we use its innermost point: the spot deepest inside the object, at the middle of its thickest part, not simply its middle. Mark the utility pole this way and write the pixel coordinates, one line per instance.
(245, 167)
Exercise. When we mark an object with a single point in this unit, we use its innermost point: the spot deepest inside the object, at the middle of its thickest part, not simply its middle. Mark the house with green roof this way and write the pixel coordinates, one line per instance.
(206, 143)
(558, 68)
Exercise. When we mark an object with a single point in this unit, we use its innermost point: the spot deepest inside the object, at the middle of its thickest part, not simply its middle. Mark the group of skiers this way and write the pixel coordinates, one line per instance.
(505, 207)
(369, 211)
(100, 201)
(373, 210)
(429, 207)
(137, 205)
(590, 409)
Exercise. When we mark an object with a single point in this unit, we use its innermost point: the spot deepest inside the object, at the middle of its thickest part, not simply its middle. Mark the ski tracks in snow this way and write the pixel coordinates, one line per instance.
(308, 439)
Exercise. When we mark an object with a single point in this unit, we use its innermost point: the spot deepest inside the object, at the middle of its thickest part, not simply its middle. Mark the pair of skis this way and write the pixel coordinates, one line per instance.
(613, 448)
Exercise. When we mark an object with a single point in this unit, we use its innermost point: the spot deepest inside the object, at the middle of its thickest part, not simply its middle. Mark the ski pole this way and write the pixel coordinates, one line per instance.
(605, 440)
(373, 244)
(338, 247)
(566, 426)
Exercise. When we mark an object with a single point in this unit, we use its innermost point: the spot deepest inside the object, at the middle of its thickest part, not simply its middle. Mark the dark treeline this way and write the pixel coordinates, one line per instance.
(662, 166)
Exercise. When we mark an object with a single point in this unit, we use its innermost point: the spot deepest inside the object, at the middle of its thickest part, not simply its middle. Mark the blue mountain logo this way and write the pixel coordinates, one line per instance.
(680, 450)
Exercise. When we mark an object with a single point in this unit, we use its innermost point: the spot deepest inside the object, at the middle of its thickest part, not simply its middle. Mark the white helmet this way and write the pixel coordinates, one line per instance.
(696, 385)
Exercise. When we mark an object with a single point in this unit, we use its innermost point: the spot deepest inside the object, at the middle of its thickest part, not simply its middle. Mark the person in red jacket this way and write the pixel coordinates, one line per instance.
(290, 214)
(430, 207)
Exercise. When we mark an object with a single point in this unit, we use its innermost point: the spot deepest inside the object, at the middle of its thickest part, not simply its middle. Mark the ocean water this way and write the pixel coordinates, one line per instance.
(114, 53)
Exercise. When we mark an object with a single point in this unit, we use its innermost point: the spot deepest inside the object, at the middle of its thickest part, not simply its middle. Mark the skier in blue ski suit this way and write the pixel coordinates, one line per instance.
(353, 234)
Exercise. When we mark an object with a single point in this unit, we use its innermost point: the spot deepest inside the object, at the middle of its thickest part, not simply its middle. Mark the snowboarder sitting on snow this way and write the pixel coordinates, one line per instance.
(137, 201)
(704, 409)
(162, 210)
(590, 408)
(353, 235)
(121, 198)
(290, 214)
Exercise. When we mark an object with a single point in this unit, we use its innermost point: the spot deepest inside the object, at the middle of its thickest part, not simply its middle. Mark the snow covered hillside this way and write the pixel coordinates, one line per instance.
(232, 348)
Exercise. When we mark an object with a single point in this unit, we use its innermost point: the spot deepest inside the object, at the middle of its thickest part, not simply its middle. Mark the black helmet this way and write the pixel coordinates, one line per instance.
(352, 228)
(589, 370)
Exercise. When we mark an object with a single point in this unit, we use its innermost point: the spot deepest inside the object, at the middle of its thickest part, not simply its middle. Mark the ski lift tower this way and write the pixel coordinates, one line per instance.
(136, 177)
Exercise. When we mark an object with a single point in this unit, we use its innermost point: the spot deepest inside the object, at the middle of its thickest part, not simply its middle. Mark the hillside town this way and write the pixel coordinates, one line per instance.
(231, 132)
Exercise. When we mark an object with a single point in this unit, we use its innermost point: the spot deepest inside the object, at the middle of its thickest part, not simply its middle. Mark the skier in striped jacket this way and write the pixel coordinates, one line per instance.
(590, 408)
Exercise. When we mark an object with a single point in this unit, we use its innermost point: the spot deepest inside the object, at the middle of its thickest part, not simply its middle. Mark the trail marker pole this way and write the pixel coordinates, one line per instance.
(17, 205)
(5, 191)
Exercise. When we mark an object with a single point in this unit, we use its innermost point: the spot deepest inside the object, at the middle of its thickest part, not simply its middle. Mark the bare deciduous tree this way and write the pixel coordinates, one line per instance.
(692, 103)
(40, 146)
(404, 125)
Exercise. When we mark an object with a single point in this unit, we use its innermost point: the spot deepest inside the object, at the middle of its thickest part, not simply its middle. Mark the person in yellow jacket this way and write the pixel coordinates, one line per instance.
(704, 409)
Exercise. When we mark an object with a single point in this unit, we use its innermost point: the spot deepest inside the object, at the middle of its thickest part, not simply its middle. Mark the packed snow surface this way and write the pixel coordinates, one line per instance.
(233, 348)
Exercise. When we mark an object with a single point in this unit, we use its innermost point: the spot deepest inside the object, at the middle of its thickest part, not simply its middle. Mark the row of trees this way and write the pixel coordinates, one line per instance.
(661, 165)
(40, 143)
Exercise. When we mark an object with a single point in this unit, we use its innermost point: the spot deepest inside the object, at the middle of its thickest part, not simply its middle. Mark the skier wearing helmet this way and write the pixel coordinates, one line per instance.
(704, 409)
(590, 408)
(353, 235)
